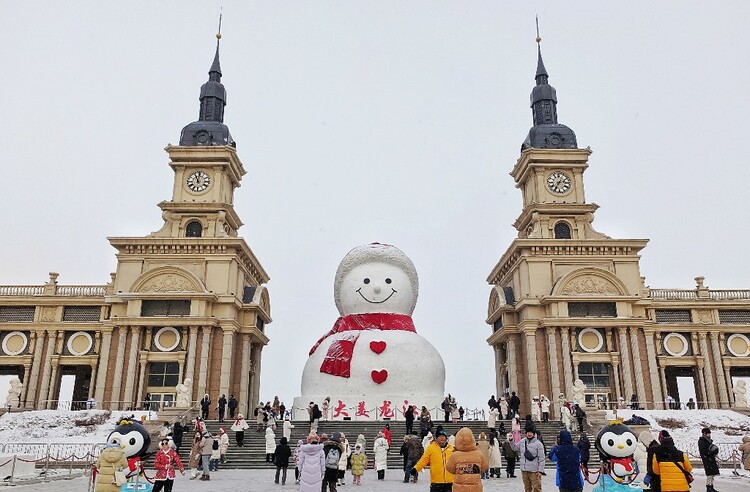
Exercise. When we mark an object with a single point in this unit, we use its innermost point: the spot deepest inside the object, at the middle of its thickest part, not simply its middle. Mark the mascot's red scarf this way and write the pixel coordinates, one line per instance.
(338, 359)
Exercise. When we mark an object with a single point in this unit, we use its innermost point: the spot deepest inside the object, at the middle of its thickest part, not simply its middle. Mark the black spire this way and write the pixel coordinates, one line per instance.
(210, 128)
(546, 132)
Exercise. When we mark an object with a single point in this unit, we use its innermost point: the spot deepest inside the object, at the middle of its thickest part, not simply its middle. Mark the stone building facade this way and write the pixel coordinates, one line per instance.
(568, 302)
(186, 302)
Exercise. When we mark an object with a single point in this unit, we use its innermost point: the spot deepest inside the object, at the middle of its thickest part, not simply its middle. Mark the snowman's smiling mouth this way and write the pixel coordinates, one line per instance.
(359, 291)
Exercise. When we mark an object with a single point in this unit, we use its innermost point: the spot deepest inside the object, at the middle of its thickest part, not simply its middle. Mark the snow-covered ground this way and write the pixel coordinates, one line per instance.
(57, 426)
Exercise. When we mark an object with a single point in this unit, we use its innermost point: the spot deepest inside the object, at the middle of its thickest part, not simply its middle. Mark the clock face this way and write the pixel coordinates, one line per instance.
(558, 182)
(198, 181)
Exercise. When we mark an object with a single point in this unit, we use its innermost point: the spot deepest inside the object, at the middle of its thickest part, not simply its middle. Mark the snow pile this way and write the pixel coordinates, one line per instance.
(50, 426)
(727, 427)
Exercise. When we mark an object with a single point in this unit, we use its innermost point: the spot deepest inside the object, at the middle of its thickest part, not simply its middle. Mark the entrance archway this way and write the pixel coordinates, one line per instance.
(681, 382)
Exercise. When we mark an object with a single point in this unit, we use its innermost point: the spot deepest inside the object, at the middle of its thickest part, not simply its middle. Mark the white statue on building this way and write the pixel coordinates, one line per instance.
(740, 394)
(184, 393)
(14, 393)
(579, 390)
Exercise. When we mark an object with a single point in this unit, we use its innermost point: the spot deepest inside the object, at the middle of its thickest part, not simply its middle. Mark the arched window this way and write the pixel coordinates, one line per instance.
(562, 230)
(194, 229)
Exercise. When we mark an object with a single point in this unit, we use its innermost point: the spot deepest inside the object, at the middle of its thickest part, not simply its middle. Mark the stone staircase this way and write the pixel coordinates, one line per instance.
(253, 454)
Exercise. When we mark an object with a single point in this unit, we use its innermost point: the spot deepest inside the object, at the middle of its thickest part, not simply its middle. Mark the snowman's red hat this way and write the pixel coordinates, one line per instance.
(375, 252)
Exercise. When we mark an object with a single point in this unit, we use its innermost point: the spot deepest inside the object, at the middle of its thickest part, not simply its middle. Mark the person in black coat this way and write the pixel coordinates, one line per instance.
(409, 418)
(654, 480)
(221, 406)
(205, 406)
(177, 430)
(708, 451)
(232, 406)
(584, 445)
(281, 459)
(513, 405)
(492, 403)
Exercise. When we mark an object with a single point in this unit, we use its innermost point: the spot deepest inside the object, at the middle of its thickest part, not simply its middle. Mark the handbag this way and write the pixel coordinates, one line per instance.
(688, 476)
(119, 477)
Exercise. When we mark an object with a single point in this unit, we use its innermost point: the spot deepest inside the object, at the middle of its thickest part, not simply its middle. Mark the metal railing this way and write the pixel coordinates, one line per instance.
(50, 460)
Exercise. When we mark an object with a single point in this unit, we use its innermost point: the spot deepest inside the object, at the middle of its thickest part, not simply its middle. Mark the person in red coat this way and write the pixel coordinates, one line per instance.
(164, 462)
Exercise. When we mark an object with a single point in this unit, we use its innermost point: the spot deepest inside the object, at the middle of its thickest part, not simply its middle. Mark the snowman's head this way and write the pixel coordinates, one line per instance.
(376, 278)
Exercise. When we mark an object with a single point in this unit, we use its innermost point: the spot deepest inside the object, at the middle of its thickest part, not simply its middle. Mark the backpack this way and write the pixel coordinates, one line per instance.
(332, 458)
(215, 445)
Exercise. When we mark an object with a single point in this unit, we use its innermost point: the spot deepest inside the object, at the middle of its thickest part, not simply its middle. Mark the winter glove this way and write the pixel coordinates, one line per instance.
(413, 472)
(646, 480)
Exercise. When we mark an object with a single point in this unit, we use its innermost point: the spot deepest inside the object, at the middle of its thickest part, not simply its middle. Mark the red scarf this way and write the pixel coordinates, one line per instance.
(338, 359)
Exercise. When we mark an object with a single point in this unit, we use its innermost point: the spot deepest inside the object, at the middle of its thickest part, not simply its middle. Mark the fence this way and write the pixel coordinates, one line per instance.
(49, 461)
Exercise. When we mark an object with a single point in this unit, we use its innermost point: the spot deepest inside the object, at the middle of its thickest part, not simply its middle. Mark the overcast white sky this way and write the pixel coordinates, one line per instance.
(389, 121)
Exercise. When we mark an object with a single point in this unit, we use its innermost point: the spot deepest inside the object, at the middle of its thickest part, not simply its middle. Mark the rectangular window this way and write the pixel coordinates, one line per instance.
(673, 316)
(592, 309)
(82, 314)
(497, 324)
(165, 308)
(734, 316)
(163, 374)
(594, 374)
(16, 313)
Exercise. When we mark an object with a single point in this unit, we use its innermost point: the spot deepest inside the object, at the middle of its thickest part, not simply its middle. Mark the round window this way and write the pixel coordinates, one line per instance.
(676, 344)
(80, 343)
(167, 339)
(15, 343)
(739, 345)
(590, 340)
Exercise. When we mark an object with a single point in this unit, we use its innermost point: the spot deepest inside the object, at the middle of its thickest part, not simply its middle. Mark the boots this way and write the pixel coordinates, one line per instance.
(710, 488)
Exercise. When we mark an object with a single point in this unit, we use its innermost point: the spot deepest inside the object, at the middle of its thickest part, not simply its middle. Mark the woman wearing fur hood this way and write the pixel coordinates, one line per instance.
(745, 450)
(640, 454)
(467, 463)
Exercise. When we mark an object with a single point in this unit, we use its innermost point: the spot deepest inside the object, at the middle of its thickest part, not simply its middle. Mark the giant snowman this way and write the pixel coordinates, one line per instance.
(372, 363)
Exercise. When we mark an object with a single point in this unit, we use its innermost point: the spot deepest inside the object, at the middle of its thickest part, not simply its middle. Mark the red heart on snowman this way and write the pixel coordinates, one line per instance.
(377, 347)
(379, 376)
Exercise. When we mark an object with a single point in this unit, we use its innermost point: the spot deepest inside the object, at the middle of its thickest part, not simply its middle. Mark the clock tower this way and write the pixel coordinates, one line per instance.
(567, 302)
(189, 300)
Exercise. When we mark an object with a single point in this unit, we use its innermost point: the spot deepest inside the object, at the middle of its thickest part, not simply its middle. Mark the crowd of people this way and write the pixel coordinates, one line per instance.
(321, 461)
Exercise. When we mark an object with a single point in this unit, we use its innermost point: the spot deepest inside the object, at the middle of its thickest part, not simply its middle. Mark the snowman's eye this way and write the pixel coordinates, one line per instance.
(387, 281)
(367, 280)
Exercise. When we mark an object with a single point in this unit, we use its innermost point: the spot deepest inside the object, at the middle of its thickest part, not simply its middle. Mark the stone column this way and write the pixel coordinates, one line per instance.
(44, 391)
(653, 371)
(53, 389)
(192, 346)
(143, 360)
(32, 380)
(115, 402)
(707, 372)
(256, 365)
(637, 366)
(567, 363)
(618, 388)
(244, 405)
(702, 383)
(728, 379)
(498, 372)
(101, 377)
(512, 367)
(226, 360)
(92, 384)
(131, 375)
(203, 368)
(627, 375)
(531, 366)
(554, 371)
(663, 377)
(719, 367)
(25, 388)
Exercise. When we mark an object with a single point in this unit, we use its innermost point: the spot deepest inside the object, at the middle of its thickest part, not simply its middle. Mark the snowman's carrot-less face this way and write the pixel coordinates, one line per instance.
(376, 287)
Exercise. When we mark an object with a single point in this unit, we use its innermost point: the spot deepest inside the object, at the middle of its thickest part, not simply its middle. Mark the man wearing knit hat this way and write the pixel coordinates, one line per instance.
(436, 456)
(531, 453)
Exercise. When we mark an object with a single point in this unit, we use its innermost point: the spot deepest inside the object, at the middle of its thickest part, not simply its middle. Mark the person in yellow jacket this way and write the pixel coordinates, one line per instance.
(436, 457)
(671, 465)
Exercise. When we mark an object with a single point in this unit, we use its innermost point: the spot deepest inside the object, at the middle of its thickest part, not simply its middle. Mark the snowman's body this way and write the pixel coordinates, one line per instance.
(365, 367)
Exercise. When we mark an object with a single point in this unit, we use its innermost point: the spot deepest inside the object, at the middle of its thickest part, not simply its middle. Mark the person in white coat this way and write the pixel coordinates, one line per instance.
(566, 417)
(270, 444)
(380, 449)
(544, 403)
(536, 410)
(287, 429)
(496, 462)
(223, 443)
(640, 455)
(344, 460)
(503, 404)
(492, 419)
